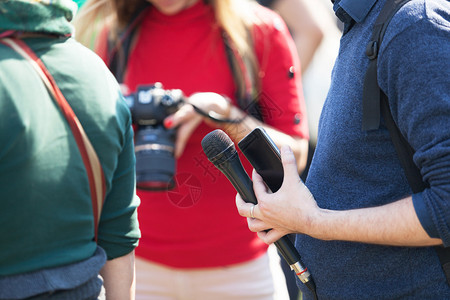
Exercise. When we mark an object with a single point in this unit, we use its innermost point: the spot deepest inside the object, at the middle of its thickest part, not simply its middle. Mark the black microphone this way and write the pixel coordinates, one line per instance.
(220, 150)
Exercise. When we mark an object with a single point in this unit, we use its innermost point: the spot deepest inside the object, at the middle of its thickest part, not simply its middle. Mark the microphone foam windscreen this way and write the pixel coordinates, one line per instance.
(215, 143)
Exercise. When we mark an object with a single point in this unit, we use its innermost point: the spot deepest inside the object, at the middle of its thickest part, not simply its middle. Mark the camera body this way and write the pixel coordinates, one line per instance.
(154, 144)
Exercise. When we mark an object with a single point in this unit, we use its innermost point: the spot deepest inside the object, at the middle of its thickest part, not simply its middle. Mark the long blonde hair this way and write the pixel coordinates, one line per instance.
(235, 17)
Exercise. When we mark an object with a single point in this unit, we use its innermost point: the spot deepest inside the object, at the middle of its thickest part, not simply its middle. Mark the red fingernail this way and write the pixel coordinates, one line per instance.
(168, 123)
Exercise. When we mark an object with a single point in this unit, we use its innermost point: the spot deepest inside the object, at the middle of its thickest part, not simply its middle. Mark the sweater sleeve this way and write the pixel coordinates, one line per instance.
(119, 229)
(281, 95)
(414, 70)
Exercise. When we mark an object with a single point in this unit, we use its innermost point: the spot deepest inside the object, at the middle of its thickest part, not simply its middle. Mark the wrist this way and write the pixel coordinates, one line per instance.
(235, 113)
(318, 225)
(239, 126)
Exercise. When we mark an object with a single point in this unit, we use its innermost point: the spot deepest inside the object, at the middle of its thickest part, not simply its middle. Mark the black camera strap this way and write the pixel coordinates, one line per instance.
(217, 118)
(376, 101)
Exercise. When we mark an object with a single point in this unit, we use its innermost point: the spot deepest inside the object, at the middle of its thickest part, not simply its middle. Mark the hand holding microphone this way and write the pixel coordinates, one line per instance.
(285, 203)
(220, 150)
(260, 220)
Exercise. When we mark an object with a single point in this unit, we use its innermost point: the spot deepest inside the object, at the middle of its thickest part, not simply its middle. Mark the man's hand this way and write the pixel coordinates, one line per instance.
(291, 209)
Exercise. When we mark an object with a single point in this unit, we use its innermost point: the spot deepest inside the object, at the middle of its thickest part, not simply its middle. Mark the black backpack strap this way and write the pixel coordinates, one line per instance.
(371, 91)
(404, 150)
(376, 101)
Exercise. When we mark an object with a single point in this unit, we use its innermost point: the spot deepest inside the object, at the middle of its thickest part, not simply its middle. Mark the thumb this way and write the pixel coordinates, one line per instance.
(289, 166)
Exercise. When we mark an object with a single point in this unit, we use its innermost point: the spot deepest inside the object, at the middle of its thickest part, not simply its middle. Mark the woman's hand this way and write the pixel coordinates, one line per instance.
(292, 209)
(187, 119)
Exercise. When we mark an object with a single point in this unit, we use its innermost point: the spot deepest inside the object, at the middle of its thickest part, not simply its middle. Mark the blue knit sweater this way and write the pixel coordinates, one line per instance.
(353, 169)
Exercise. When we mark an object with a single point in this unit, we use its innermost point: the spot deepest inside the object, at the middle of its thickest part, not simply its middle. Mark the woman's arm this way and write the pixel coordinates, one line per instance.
(187, 120)
(238, 131)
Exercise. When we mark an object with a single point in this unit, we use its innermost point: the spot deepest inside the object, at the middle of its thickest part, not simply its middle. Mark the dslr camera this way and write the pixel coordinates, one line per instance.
(154, 144)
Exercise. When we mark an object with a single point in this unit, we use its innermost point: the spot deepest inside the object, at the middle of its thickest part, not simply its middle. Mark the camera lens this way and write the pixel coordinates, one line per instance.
(155, 162)
(154, 144)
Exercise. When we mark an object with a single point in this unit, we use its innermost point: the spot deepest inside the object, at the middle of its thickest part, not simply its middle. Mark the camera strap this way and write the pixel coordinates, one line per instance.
(90, 159)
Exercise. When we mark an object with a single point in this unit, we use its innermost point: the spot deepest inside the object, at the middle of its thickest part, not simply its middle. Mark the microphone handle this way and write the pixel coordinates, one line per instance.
(292, 257)
(236, 174)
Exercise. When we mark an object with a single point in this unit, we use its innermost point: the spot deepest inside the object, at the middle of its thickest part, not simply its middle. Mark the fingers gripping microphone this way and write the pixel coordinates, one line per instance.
(220, 150)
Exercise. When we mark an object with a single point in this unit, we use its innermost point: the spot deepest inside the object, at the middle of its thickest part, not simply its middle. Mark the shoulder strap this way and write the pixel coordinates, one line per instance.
(90, 159)
(375, 100)
(371, 91)
(404, 150)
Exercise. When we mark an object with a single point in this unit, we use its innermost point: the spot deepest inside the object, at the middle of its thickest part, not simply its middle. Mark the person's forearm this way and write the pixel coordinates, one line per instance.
(119, 278)
(394, 224)
(238, 131)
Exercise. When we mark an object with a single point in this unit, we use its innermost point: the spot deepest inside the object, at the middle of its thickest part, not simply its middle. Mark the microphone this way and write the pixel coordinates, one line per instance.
(220, 150)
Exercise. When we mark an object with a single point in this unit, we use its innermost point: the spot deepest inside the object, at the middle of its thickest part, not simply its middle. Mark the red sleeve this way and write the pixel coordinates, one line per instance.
(281, 98)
